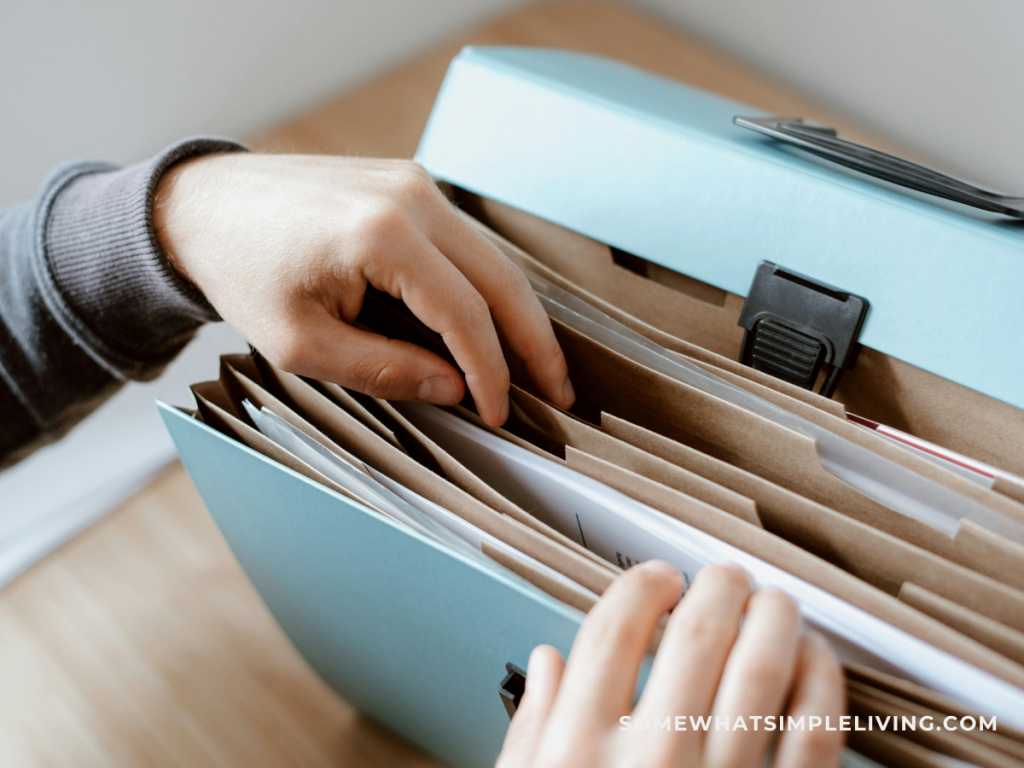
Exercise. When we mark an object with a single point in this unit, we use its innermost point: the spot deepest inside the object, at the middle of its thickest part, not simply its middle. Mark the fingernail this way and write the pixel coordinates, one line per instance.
(660, 566)
(504, 410)
(569, 393)
(537, 668)
(439, 390)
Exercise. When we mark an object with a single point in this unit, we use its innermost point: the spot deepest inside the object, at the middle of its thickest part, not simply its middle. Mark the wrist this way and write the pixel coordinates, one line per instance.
(111, 282)
(170, 215)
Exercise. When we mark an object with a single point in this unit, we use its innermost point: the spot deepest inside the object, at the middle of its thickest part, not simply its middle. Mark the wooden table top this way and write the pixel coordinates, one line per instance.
(141, 642)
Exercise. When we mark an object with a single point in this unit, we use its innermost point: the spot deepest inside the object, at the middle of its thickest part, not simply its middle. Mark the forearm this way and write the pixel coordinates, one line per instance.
(87, 301)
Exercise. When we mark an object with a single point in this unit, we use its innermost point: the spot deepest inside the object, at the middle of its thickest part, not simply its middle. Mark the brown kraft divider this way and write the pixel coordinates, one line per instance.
(562, 592)
(353, 406)
(638, 394)
(239, 387)
(571, 432)
(213, 405)
(870, 554)
(1011, 488)
(893, 751)
(992, 634)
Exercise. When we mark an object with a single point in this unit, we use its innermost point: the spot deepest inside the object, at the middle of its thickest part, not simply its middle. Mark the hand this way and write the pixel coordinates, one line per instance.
(283, 246)
(569, 716)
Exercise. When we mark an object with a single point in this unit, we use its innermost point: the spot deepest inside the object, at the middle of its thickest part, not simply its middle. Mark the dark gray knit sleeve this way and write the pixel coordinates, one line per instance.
(87, 301)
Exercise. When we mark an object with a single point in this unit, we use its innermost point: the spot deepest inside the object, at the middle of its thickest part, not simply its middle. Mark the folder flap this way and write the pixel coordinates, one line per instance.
(998, 637)
(657, 169)
(577, 598)
(583, 437)
(989, 553)
(243, 387)
(353, 406)
(1014, 489)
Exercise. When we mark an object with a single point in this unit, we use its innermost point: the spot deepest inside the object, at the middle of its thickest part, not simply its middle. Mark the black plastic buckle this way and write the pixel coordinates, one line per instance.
(511, 688)
(796, 325)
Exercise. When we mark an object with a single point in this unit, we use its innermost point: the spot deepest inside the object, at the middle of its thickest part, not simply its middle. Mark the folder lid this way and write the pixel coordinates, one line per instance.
(658, 169)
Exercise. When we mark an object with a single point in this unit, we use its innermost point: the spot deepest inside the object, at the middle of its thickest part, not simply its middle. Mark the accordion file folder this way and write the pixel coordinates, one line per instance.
(641, 197)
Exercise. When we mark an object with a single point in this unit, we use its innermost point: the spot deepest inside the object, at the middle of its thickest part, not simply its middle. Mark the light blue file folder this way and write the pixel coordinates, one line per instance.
(412, 635)
(659, 170)
(417, 637)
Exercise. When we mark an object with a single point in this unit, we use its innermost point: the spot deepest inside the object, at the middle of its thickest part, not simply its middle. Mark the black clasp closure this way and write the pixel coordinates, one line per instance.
(796, 325)
(511, 688)
(824, 142)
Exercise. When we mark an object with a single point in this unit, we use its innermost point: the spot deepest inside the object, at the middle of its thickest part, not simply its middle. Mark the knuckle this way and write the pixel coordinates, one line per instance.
(385, 382)
(374, 378)
(707, 631)
(415, 168)
(476, 308)
(411, 182)
(380, 223)
(763, 675)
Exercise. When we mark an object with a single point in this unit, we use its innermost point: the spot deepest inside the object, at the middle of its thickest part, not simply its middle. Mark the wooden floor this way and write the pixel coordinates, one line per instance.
(141, 643)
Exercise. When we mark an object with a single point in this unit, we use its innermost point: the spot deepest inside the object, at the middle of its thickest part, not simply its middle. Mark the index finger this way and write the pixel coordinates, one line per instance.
(600, 676)
(416, 272)
(517, 312)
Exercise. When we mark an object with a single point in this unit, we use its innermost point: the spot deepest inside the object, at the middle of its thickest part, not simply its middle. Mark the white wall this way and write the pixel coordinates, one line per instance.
(119, 79)
(942, 77)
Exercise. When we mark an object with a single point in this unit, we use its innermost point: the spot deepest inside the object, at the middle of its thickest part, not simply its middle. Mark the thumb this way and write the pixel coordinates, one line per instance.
(543, 676)
(328, 349)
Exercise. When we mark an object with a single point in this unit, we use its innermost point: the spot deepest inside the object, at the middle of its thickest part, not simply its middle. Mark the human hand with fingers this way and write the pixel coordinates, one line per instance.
(727, 652)
(284, 247)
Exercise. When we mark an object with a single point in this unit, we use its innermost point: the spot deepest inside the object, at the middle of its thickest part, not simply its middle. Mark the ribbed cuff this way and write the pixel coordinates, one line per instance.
(104, 273)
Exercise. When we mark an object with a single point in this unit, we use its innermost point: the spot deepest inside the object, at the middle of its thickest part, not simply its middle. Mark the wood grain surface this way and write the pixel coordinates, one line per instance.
(141, 643)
